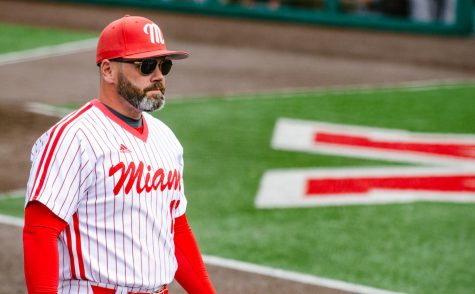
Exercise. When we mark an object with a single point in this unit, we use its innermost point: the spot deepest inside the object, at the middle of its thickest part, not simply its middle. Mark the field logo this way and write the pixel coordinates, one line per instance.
(448, 173)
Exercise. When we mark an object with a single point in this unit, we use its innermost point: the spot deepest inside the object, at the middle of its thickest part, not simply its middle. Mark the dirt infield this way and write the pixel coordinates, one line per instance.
(228, 56)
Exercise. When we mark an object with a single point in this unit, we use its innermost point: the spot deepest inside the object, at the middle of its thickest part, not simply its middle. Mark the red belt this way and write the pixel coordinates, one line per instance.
(101, 290)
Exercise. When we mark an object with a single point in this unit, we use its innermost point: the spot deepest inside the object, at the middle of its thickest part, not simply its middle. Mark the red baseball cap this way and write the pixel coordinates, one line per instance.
(133, 37)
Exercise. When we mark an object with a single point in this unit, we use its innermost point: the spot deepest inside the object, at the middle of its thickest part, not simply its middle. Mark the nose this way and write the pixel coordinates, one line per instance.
(157, 75)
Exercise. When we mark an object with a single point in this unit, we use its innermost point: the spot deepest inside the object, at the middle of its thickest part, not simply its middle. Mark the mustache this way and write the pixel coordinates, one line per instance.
(155, 86)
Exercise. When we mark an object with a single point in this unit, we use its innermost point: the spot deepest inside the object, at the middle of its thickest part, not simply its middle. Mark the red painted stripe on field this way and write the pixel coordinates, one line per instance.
(71, 256)
(78, 246)
(457, 150)
(51, 152)
(362, 185)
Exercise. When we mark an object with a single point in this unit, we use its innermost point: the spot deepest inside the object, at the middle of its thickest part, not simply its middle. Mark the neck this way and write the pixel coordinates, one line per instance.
(135, 123)
(119, 104)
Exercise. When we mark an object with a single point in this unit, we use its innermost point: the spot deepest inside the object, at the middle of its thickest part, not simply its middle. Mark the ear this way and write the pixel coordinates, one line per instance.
(108, 72)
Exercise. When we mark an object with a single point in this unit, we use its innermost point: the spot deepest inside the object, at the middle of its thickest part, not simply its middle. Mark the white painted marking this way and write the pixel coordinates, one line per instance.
(11, 220)
(338, 90)
(292, 276)
(286, 187)
(48, 110)
(48, 51)
(13, 194)
(298, 135)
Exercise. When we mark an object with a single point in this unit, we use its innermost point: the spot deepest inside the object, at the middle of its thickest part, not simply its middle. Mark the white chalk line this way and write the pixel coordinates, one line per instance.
(13, 194)
(47, 109)
(292, 276)
(48, 51)
(337, 90)
(11, 220)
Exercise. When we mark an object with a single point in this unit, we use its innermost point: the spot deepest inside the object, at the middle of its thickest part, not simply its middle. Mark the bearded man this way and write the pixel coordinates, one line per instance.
(105, 204)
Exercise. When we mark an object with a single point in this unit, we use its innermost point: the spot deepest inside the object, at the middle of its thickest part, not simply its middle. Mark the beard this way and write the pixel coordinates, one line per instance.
(138, 98)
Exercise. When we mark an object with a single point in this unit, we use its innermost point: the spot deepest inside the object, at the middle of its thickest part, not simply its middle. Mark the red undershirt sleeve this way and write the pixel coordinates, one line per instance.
(40, 248)
(191, 273)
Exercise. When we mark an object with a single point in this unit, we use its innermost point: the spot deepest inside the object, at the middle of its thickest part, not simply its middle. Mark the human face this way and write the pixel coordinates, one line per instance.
(149, 98)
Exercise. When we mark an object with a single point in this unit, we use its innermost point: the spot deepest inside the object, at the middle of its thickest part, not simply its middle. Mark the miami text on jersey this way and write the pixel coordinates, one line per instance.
(133, 174)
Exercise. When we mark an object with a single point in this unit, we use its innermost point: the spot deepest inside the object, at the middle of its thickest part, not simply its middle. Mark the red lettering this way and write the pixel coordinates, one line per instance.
(158, 178)
(148, 185)
(123, 176)
(134, 175)
(173, 180)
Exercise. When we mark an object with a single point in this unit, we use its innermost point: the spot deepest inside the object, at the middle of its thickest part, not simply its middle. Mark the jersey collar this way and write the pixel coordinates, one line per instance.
(142, 136)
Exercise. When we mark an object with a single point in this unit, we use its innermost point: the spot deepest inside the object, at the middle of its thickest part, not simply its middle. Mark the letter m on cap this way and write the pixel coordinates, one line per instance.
(155, 33)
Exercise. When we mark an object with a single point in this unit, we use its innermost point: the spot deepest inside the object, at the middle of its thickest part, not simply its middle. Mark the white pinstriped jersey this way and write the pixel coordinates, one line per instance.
(118, 190)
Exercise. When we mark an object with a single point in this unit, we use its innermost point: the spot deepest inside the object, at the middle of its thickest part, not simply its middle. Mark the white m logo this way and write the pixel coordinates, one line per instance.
(155, 33)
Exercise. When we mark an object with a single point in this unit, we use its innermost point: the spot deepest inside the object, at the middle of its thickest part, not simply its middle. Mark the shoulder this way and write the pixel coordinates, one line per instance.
(68, 128)
(71, 124)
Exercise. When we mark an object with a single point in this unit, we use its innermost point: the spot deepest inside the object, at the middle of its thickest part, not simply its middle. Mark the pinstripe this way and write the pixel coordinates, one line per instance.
(71, 256)
(70, 286)
(78, 246)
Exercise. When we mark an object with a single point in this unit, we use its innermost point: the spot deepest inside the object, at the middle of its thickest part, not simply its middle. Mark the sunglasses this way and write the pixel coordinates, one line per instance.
(147, 66)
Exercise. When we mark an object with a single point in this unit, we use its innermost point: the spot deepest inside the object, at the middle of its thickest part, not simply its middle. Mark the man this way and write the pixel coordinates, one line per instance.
(105, 207)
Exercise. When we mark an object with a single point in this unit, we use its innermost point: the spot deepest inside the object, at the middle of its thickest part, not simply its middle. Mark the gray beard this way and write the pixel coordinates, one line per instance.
(149, 105)
(137, 97)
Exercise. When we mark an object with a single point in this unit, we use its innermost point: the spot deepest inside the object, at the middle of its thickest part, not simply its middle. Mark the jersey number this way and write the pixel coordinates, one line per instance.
(173, 205)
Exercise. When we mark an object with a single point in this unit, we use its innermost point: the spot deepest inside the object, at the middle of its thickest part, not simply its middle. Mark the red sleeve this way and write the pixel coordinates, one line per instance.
(40, 248)
(191, 273)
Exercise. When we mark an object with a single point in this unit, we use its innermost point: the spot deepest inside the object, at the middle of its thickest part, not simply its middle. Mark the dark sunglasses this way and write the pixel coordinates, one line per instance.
(147, 66)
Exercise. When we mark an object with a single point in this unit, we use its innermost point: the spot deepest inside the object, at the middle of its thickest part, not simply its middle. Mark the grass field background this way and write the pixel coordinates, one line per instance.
(414, 248)
(21, 37)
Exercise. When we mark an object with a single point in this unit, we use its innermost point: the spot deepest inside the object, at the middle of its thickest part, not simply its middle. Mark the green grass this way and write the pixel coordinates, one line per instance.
(20, 37)
(12, 206)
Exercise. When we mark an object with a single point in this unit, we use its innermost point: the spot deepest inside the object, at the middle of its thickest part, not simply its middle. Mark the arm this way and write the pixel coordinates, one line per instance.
(191, 273)
(40, 248)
